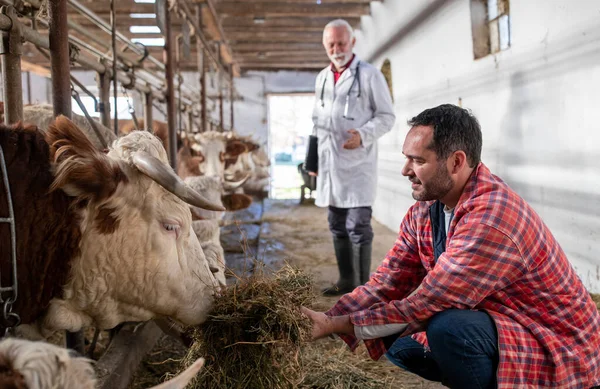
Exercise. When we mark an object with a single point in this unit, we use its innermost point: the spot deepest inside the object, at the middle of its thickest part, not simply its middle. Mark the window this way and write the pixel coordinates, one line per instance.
(490, 25)
(386, 69)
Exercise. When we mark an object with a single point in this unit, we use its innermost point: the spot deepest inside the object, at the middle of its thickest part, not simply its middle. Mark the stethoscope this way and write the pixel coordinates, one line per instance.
(354, 81)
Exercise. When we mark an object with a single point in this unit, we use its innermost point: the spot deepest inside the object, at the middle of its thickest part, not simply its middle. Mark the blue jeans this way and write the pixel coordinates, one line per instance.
(463, 350)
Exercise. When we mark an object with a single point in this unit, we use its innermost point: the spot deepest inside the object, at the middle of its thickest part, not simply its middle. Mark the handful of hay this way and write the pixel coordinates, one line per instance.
(252, 337)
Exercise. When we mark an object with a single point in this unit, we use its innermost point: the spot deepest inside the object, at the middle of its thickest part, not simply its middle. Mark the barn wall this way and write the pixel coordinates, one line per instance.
(537, 103)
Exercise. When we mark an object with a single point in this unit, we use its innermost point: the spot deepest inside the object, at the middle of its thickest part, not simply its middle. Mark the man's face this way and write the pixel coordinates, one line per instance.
(429, 176)
(338, 45)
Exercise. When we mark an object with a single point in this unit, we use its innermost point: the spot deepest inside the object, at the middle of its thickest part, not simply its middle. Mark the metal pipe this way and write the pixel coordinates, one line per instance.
(113, 24)
(148, 121)
(107, 28)
(11, 69)
(29, 100)
(198, 32)
(61, 93)
(59, 57)
(169, 53)
(220, 86)
(231, 97)
(201, 71)
(104, 95)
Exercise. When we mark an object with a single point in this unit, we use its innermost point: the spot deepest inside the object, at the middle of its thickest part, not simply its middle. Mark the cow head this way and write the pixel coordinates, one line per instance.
(139, 258)
(205, 154)
(212, 189)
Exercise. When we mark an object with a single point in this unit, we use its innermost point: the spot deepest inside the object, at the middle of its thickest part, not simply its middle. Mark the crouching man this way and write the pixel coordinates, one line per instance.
(476, 292)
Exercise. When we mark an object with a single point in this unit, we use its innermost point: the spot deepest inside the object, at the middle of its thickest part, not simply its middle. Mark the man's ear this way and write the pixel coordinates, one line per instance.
(457, 162)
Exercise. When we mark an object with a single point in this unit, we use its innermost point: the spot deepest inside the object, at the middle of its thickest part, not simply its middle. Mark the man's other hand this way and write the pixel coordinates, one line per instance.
(314, 174)
(354, 140)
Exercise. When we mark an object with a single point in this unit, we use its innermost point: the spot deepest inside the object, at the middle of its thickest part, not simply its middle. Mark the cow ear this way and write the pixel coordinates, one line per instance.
(235, 148)
(235, 201)
(79, 169)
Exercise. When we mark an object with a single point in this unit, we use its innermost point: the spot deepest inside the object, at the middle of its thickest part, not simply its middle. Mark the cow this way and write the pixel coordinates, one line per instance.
(100, 238)
(204, 154)
(254, 164)
(39, 365)
(41, 115)
(206, 223)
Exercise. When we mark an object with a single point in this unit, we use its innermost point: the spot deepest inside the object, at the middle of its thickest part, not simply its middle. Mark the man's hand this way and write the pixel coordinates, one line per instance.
(324, 325)
(354, 140)
(314, 174)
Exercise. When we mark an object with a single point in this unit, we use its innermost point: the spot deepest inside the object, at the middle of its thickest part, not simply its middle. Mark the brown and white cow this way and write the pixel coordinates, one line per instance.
(204, 154)
(101, 238)
(254, 164)
(38, 365)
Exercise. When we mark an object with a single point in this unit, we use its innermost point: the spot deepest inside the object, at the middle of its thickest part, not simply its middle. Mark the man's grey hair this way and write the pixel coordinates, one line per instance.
(340, 23)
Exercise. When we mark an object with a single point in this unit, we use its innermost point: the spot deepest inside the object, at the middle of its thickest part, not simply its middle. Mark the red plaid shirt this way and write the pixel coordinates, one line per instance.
(500, 257)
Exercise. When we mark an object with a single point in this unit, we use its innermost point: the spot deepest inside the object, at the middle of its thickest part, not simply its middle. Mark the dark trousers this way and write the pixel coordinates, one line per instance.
(354, 223)
(463, 350)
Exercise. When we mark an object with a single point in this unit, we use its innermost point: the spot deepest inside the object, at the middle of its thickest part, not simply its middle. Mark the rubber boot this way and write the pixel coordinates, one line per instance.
(362, 254)
(348, 270)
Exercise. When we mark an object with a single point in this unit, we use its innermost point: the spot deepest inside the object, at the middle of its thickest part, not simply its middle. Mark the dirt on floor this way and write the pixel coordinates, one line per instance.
(299, 235)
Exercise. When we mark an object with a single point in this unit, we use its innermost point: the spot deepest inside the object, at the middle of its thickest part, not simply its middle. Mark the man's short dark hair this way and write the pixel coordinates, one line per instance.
(454, 129)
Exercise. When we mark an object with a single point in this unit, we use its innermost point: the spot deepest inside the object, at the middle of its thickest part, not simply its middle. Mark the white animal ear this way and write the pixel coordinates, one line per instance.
(184, 378)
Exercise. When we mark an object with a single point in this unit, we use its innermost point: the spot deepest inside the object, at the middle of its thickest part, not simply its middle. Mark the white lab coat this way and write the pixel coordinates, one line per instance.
(348, 178)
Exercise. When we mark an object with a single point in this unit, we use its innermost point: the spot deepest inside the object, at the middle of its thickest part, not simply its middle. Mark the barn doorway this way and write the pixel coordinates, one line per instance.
(290, 124)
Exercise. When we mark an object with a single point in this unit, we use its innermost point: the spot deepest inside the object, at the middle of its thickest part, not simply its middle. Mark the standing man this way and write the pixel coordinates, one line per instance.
(353, 108)
(475, 276)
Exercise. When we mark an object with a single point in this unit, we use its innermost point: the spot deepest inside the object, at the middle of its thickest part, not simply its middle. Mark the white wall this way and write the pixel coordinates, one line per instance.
(537, 104)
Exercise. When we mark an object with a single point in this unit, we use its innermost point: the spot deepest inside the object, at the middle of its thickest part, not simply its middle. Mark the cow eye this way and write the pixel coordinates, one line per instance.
(172, 227)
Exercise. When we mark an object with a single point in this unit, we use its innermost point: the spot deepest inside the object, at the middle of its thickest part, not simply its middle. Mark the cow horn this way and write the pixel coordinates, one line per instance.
(232, 185)
(165, 177)
(180, 381)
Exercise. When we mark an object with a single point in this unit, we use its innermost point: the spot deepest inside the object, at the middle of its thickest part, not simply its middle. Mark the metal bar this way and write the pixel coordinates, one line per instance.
(220, 86)
(107, 28)
(201, 71)
(29, 100)
(61, 96)
(169, 73)
(113, 24)
(198, 32)
(85, 90)
(104, 95)
(231, 97)
(11, 69)
(148, 121)
(59, 57)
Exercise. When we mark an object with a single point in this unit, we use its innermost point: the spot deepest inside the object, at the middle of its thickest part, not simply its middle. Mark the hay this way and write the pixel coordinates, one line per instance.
(253, 336)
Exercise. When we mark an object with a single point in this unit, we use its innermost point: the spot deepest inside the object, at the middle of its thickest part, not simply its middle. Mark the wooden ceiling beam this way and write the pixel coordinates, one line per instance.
(275, 46)
(254, 36)
(284, 9)
(308, 24)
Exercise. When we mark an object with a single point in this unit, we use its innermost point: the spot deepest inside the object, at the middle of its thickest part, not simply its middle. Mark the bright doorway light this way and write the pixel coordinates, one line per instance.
(144, 29)
(150, 41)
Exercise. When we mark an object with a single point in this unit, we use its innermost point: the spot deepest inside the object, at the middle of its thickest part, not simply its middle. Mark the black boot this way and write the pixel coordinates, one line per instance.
(362, 256)
(348, 270)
